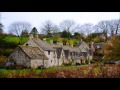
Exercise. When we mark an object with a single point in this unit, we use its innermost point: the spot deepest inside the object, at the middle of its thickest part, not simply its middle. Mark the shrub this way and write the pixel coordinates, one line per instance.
(78, 63)
(55, 40)
(67, 64)
(2, 61)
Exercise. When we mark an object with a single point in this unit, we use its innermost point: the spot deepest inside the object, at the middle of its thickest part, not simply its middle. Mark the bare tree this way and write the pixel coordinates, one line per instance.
(104, 27)
(1, 28)
(68, 25)
(18, 27)
(111, 25)
(1, 25)
(87, 28)
(96, 29)
(49, 28)
(117, 26)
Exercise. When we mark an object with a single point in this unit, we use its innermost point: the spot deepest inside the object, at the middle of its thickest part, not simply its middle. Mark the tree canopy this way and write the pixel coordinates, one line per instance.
(112, 50)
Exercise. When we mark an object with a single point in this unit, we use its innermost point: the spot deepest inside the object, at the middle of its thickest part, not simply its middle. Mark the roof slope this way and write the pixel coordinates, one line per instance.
(44, 45)
(33, 52)
(71, 49)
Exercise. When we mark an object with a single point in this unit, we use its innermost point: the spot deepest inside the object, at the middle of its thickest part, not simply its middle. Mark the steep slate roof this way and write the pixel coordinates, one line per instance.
(44, 45)
(98, 45)
(33, 52)
(83, 44)
(66, 47)
(71, 49)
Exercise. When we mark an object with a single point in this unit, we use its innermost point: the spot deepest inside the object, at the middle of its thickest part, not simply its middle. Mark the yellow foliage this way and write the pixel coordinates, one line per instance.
(2, 59)
(96, 40)
(60, 39)
(112, 50)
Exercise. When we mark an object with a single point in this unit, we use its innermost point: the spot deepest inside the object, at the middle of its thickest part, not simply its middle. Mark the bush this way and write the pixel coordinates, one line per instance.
(77, 63)
(67, 64)
(55, 40)
(92, 61)
(13, 66)
(64, 40)
(6, 52)
(2, 61)
(41, 67)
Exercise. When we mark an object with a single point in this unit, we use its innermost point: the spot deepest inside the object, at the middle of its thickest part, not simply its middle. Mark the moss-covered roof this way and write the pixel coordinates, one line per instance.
(44, 45)
(71, 49)
(33, 52)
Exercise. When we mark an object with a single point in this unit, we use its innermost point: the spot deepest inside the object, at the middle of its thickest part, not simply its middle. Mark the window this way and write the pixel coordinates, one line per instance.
(48, 52)
(51, 61)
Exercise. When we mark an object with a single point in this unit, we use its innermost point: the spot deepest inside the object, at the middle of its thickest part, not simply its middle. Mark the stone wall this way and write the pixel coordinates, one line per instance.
(19, 57)
(52, 58)
(36, 62)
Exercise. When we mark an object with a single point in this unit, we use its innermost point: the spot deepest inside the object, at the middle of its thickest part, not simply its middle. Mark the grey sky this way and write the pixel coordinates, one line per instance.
(37, 18)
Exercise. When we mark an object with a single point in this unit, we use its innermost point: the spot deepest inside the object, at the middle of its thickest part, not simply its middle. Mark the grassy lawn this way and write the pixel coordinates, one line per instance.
(15, 39)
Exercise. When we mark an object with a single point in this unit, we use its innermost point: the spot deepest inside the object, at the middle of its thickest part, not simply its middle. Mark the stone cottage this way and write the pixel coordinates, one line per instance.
(86, 51)
(45, 47)
(36, 52)
(27, 56)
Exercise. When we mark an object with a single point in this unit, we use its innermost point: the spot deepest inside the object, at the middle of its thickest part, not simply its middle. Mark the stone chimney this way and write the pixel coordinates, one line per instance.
(81, 40)
(71, 45)
(60, 43)
(44, 39)
(33, 33)
(30, 36)
(67, 44)
(51, 41)
(36, 36)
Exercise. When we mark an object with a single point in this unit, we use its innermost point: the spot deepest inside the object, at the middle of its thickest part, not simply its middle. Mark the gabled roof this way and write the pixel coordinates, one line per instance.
(33, 52)
(44, 45)
(71, 49)
(83, 44)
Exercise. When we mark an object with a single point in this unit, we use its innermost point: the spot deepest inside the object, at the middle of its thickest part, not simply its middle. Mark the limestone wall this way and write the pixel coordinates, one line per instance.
(19, 57)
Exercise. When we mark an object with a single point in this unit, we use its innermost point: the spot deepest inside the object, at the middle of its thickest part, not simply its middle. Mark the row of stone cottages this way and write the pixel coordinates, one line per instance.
(36, 52)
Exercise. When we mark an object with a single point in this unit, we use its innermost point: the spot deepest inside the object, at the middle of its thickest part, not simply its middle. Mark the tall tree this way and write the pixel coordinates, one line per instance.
(87, 28)
(104, 26)
(49, 28)
(65, 34)
(68, 25)
(112, 50)
(1, 25)
(18, 28)
(77, 35)
(117, 26)
(1, 28)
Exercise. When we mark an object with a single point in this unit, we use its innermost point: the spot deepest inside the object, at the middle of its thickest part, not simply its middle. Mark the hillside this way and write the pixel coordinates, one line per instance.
(9, 43)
